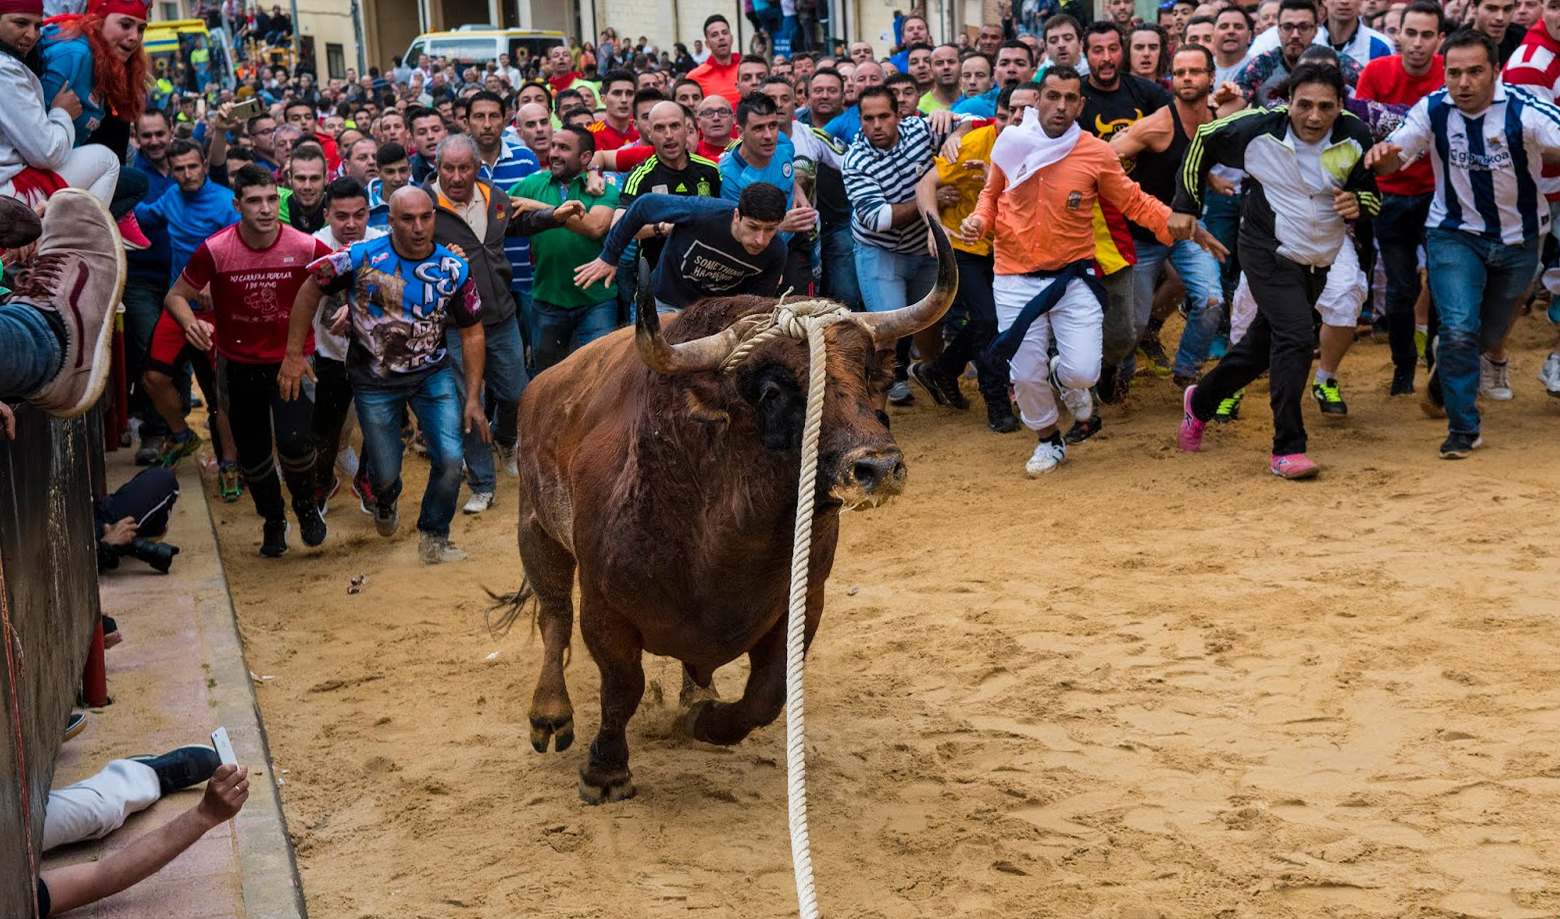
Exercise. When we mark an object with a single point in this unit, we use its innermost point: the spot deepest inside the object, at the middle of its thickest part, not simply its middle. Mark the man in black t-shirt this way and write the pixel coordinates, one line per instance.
(1113, 100)
(674, 169)
(715, 248)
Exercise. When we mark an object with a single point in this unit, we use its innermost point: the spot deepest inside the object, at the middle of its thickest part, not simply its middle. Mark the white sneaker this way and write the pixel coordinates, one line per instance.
(1549, 375)
(1078, 401)
(508, 459)
(436, 550)
(480, 501)
(1047, 456)
(1493, 383)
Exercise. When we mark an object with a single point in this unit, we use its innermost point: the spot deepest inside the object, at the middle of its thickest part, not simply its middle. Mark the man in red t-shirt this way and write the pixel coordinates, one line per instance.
(617, 96)
(1404, 79)
(254, 269)
(1536, 64)
(718, 74)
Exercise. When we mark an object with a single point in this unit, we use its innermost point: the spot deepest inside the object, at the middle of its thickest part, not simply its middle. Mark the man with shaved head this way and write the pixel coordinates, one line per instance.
(400, 291)
(534, 123)
(847, 124)
(715, 119)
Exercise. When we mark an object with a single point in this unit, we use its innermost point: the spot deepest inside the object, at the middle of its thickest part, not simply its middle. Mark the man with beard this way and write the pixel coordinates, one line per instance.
(303, 201)
(566, 316)
(1296, 30)
(1157, 144)
(819, 160)
(1112, 101)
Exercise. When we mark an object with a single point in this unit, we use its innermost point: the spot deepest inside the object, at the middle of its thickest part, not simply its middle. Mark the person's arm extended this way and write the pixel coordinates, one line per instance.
(646, 211)
(294, 367)
(926, 191)
(88, 882)
(177, 303)
(1148, 133)
(1212, 144)
(594, 224)
(473, 349)
(1412, 138)
(533, 221)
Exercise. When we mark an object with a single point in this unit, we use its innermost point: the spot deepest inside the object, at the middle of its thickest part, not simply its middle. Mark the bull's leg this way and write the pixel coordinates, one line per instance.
(762, 698)
(549, 568)
(618, 652)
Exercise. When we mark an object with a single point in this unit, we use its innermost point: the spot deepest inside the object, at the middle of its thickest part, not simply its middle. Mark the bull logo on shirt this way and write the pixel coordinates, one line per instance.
(1105, 130)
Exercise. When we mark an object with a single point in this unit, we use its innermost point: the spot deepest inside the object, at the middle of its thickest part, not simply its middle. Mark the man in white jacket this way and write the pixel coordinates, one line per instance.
(36, 153)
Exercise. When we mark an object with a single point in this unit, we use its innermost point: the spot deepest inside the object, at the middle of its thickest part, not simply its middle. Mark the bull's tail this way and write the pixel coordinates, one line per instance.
(510, 608)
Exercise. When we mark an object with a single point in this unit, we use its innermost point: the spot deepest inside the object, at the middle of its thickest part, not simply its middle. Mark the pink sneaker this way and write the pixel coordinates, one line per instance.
(1190, 437)
(130, 231)
(1293, 466)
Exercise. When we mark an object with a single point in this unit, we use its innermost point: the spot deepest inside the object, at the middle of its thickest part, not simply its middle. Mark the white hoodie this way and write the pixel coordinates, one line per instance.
(30, 134)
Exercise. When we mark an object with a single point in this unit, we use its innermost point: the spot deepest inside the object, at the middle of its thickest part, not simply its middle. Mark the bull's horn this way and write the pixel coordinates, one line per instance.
(889, 327)
(696, 356)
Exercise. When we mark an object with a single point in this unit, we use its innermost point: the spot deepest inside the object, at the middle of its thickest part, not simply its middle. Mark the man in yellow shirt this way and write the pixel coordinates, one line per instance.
(952, 190)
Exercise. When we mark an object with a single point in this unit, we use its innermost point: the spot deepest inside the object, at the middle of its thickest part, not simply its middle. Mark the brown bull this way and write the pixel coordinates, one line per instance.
(671, 487)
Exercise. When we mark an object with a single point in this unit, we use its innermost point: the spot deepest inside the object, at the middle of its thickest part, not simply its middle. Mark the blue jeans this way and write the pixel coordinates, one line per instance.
(561, 330)
(503, 373)
(437, 405)
(1199, 273)
(31, 348)
(1474, 282)
(525, 321)
(839, 266)
(1221, 215)
(892, 280)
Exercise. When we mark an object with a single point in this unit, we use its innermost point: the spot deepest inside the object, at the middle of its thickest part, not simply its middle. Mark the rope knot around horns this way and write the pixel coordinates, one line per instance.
(787, 320)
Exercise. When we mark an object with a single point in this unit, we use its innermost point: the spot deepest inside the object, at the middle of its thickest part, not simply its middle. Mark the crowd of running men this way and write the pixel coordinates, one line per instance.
(418, 243)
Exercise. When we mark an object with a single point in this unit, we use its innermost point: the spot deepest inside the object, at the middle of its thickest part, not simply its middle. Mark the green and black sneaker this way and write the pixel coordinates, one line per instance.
(1229, 409)
(1329, 398)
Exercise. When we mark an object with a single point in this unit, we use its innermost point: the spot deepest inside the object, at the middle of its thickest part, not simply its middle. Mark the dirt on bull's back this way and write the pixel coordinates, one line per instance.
(1148, 684)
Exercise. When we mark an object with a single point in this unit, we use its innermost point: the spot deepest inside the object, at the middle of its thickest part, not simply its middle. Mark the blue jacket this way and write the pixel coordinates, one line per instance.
(70, 60)
(187, 220)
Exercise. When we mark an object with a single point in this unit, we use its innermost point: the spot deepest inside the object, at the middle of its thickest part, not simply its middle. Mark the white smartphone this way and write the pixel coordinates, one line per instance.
(224, 747)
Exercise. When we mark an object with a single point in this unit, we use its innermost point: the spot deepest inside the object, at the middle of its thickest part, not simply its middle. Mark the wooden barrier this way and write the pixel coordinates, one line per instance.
(49, 591)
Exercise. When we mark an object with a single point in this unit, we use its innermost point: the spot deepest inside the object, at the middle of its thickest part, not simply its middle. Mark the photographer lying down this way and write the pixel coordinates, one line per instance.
(133, 516)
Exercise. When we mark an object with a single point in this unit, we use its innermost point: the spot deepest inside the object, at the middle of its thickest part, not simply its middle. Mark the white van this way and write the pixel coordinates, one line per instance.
(481, 45)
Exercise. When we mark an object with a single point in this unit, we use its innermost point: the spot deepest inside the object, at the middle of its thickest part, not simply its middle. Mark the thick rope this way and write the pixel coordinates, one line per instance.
(806, 319)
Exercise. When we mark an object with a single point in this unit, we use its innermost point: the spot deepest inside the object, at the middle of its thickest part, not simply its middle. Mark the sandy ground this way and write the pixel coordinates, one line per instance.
(1151, 684)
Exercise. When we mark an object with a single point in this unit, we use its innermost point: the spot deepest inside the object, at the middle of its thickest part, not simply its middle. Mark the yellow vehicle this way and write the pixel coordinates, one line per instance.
(205, 53)
(470, 45)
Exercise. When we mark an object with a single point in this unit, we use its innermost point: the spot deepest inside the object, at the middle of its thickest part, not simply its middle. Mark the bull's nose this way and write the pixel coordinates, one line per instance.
(873, 471)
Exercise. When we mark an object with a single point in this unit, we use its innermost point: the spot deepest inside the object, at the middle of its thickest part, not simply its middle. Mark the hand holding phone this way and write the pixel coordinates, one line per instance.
(224, 747)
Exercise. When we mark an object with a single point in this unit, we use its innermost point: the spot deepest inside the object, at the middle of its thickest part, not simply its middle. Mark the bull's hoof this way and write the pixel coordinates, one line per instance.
(559, 730)
(688, 724)
(605, 789)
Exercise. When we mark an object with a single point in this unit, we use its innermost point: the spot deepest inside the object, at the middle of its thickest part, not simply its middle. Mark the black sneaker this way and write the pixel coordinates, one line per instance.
(77, 722)
(386, 519)
(1083, 430)
(999, 416)
(182, 767)
(1458, 446)
(311, 523)
(146, 454)
(274, 542)
(1403, 381)
(944, 390)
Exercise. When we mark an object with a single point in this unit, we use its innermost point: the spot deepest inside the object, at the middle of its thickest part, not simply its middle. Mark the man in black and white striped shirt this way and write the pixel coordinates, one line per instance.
(882, 168)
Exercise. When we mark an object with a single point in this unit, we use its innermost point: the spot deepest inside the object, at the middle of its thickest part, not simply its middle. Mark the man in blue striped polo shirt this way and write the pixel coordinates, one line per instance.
(505, 163)
(1487, 220)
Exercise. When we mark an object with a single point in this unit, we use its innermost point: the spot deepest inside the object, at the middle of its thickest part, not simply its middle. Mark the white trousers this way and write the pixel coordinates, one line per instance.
(92, 167)
(1342, 296)
(98, 806)
(1076, 324)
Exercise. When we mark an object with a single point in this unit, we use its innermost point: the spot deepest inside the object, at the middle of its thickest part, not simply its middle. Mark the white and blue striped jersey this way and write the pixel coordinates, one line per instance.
(1487, 167)
(1365, 45)
(514, 163)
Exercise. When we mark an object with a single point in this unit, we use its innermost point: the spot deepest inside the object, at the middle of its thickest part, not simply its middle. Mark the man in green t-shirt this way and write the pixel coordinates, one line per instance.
(567, 316)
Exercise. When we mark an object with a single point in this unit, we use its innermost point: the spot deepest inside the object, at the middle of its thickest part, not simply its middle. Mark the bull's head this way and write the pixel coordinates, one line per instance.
(859, 463)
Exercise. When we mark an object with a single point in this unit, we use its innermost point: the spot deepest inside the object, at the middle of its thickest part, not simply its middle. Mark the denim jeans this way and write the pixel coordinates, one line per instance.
(525, 322)
(1475, 282)
(31, 348)
(1221, 215)
(1400, 231)
(503, 374)
(437, 404)
(1199, 273)
(891, 281)
(562, 330)
(839, 266)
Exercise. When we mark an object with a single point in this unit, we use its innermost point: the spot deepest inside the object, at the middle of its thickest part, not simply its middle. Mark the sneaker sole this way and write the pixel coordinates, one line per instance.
(1306, 474)
(914, 372)
(104, 345)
